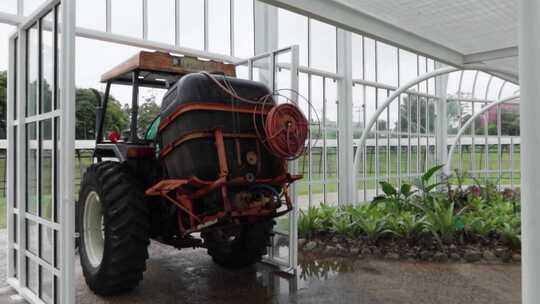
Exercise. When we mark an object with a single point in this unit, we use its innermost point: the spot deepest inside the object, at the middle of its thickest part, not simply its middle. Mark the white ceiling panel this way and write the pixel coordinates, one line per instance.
(467, 26)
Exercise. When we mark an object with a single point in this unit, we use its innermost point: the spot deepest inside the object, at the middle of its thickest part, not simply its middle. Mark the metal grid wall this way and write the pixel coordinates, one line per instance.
(489, 150)
(319, 83)
(34, 212)
(402, 144)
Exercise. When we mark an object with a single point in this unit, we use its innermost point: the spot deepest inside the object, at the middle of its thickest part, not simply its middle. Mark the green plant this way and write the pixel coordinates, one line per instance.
(342, 224)
(511, 236)
(326, 216)
(394, 198)
(308, 222)
(488, 190)
(480, 226)
(425, 186)
(368, 222)
(406, 225)
(443, 223)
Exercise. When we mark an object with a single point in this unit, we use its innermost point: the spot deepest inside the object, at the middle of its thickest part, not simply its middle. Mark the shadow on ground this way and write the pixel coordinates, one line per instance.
(190, 276)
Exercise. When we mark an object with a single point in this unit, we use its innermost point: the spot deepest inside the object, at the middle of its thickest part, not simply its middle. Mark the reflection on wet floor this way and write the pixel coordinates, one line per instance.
(310, 269)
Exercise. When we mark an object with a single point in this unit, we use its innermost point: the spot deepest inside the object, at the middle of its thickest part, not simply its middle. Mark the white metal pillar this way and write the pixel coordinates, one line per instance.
(266, 27)
(67, 152)
(441, 125)
(265, 17)
(10, 156)
(529, 75)
(21, 146)
(345, 139)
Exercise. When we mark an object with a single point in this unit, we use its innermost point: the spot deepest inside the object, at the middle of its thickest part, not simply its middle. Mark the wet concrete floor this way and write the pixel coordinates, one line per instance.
(190, 276)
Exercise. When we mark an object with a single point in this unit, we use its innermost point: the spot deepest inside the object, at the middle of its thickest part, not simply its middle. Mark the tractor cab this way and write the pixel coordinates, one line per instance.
(145, 69)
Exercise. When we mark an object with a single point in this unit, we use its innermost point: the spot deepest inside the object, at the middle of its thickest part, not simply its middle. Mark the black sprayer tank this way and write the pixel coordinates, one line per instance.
(198, 157)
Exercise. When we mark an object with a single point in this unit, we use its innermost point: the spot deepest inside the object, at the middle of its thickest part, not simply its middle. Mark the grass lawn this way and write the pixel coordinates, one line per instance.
(386, 158)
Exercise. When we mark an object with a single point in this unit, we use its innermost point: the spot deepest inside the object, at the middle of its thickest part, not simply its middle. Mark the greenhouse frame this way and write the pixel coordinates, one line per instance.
(393, 91)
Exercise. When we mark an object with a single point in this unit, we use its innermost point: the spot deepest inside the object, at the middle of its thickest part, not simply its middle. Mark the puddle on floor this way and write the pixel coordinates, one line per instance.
(311, 269)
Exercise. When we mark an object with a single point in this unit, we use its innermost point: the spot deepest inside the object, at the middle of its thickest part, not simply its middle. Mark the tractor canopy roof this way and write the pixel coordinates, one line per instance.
(160, 70)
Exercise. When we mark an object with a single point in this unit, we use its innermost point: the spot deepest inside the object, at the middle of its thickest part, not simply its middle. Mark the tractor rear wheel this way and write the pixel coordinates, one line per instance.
(113, 226)
(240, 246)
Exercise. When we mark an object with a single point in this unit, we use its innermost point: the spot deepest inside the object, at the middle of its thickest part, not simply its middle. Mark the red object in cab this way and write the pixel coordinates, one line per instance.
(114, 136)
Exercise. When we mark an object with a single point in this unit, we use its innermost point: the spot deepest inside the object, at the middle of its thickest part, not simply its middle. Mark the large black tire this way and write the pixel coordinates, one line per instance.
(239, 246)
(125, 227)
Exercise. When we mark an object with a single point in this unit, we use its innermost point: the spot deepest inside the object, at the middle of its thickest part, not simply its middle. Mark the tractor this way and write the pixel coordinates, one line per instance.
(211, 171)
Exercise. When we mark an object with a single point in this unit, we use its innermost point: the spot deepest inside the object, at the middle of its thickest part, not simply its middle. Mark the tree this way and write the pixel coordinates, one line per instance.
(115, 119)
(148, 112)
(412, 120)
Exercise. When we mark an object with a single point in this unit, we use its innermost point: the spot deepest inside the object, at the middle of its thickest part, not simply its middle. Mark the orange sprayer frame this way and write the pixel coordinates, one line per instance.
(180, 191)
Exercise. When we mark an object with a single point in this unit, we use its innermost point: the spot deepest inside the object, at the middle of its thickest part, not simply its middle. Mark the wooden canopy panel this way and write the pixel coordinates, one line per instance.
(160, 69)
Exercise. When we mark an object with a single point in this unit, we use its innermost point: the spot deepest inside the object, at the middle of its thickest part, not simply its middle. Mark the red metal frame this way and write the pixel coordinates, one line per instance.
(182, 192)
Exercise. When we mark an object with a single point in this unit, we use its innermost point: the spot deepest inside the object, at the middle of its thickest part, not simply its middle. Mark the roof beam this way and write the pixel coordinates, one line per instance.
(353, 20)
(11, 19)
(508, 52)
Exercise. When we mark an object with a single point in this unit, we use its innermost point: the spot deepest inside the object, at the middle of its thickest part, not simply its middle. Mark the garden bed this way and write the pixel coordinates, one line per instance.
(426, 221)
(395, 249)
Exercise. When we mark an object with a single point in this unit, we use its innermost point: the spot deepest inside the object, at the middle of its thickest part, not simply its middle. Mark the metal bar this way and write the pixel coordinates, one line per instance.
(418, 125)
(158, 46)
(499, 133)
(134, 107)
(250, 69)
(67, 165)
(293, 215)
(39, 117)
(486, 134)
(377, 164)
(145, 19)
(310, 157)
(362, 147)
(266, 54)
(20, 166)
(529, 72)
(232, 25)
(42, 263)
(388, 135)
(272, 76)
(512, 162)
(108, 16)
(10, 157)
(309, 70)
(398, 135)
(346, 177)
(177, 23)
(40, 12)
(11, 19)
(473, 127)
(460, 120)
(324, 150)
(206, 25)
(20, 7)
(101, 114)
(377, 168)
